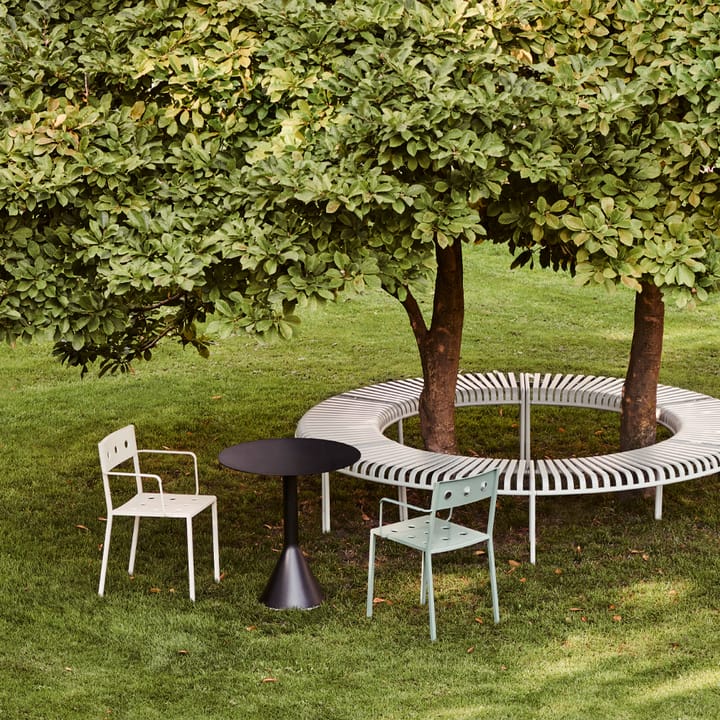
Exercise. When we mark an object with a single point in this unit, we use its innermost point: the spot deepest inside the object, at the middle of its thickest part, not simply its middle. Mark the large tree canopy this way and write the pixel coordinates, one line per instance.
(400, 123)
(641, 202)
(163, 160)
(124, 126)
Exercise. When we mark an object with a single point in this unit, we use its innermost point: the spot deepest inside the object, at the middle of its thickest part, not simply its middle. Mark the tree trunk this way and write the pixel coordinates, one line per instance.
(638, 421)
(439, 348)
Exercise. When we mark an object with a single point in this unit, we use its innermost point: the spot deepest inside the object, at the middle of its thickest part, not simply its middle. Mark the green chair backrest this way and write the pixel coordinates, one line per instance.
(449, 494)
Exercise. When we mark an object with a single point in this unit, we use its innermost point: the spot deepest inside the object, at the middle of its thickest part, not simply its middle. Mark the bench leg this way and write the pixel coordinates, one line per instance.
(402, 498)
(525, 400)
(658, 502)
(531, 528)
(325, 485)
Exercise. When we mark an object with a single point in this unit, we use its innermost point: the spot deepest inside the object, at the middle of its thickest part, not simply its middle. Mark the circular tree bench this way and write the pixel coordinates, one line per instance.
(360, 417)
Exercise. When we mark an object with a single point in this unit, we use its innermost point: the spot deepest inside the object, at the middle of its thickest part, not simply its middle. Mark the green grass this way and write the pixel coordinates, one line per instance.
(620, 618)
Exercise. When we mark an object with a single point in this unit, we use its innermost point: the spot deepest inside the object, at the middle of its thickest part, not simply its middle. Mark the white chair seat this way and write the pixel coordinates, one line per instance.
(176, 506)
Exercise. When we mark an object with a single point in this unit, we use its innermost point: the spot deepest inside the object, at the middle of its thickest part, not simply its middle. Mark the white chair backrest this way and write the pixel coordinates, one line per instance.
(449, 494)
(116, 449)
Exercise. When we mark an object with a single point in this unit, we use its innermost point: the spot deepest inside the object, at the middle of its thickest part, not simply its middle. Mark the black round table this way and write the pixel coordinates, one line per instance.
(292, 584)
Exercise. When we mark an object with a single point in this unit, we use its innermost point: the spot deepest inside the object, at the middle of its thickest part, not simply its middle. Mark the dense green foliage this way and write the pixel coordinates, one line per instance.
(123, 123)
(163, 160)
(401, 122)
(641, 200)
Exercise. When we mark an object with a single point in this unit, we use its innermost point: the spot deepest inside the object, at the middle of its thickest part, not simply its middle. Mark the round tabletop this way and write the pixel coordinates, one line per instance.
(289, 456)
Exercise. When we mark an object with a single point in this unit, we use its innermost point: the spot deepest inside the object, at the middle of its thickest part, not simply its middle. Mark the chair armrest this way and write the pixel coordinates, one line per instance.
(179, 452)
(393, 501)
(157, 478)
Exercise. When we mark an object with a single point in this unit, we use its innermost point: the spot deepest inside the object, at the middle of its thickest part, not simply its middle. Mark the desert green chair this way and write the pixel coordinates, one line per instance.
(431, 534)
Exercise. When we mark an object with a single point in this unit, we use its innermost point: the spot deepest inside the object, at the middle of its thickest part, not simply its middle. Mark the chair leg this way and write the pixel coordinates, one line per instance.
(371, 577)
(430, 594)
(106, 555)
(423, 580)
(133, 546)
(493, 581)
(216, 542)
(191, 559)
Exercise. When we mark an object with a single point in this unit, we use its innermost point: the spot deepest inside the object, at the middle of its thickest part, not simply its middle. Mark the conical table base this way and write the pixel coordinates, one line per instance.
(292, 584)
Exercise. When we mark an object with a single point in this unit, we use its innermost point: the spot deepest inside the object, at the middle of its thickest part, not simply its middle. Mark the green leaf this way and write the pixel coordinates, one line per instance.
(573, 222)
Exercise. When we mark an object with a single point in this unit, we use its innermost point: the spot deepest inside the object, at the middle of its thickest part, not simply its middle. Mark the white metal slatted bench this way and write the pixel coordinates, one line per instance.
(360, 417)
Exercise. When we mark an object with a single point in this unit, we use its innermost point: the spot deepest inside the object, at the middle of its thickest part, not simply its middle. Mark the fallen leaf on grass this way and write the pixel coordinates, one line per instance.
(269, 680)
(617, 618)
(479, 620)
(378, 600)
(81, 527)
(470, 650)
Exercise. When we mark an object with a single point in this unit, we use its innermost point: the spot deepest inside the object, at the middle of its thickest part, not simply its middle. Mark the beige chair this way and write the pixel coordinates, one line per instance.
(120, 449)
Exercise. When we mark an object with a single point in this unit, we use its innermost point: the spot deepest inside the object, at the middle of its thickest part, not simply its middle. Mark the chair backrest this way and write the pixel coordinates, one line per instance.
(449, 494)
(116, 449)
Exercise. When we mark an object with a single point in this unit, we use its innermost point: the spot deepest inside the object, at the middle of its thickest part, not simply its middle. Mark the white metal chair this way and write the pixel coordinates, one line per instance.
(119, 449)
(431, 534)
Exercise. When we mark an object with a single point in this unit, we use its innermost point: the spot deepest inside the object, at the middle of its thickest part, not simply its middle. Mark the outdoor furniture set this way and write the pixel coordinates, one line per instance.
(346, 433)
(292, 584)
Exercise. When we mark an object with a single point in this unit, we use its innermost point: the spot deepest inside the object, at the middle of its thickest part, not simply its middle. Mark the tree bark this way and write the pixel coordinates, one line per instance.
(439, 348)
(638, 421)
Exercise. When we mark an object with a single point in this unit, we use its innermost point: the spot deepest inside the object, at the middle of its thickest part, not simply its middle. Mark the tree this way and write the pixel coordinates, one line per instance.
(166, 160)
(581, 133)
(641, 203)
(401, 122)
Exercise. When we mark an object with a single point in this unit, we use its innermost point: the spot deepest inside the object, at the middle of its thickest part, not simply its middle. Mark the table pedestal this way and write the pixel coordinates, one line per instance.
(292, 584)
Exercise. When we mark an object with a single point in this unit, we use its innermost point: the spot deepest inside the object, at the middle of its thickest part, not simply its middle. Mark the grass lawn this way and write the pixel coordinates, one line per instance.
(620, 618)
